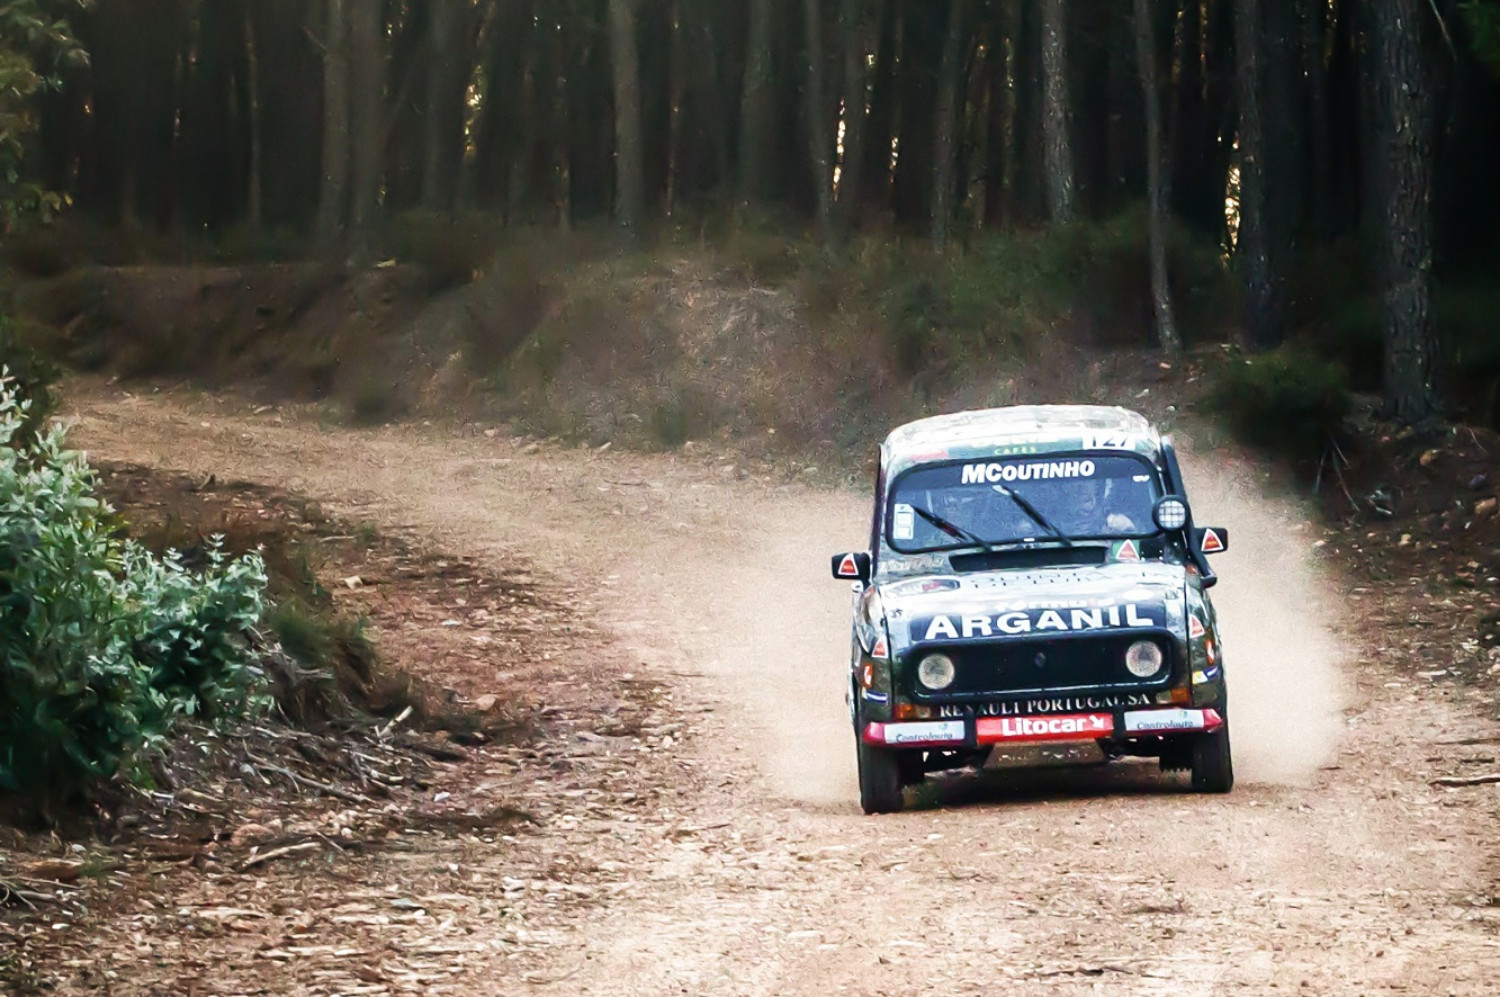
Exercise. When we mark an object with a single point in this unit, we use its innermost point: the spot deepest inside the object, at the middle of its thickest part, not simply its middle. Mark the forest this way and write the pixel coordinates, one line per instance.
(1328, 148)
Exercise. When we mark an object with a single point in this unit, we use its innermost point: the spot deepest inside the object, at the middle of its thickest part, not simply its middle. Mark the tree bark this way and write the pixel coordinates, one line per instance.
(874, 193)
(757, 106)
(945, 139)
(855, 31)
(677, 106)
(1262, 328)
(1158, 178)
(367, 62)
(820, 144)
(1403, 151)
(1056, 134)
(718, 101)
(255, 199)
(630, 193)
(335, 123)
(448, 68)
(1314, 14)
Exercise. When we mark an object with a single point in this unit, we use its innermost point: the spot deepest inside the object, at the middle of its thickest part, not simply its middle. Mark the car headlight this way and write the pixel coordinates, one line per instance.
(936, 672)
(1143, 659)
(1171, 513)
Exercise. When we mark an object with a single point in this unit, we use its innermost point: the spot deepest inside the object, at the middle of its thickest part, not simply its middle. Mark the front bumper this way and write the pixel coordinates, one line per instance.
(973, 732)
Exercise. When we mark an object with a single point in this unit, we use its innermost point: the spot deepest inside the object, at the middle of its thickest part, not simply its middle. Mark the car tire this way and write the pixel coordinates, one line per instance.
(879, 779)
(1212, 762)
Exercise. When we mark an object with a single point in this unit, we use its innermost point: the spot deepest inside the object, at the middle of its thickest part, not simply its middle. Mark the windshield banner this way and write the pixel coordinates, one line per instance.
(1005, 472)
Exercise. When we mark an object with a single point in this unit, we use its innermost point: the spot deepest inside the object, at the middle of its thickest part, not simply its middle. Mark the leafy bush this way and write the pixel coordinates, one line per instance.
(33, 376)
(1288, 401)
(1017, 294)
(102, 644)
(451, 249)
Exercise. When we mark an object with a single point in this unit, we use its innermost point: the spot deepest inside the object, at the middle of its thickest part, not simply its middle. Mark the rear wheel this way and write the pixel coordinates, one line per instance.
(1212, 763)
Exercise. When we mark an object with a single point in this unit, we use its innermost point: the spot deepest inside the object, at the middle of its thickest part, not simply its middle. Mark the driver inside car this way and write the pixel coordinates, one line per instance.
(1094, 498)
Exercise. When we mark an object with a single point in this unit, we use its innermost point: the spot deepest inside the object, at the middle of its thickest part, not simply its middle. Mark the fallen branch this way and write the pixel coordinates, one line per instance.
(276, 853)
(397, 720)
(322, 787)
(436, 750)
(9, 892)
(1471, 780)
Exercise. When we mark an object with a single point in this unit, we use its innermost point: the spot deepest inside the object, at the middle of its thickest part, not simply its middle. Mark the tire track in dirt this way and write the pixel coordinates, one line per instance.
(1343, 872)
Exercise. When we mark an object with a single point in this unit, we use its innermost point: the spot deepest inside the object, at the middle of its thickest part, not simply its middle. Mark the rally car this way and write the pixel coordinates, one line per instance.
(1034, 575)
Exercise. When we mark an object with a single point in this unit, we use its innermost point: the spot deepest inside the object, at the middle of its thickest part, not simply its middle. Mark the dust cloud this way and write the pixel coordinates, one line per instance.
(790, 651)
(1280, 617)
(746, 601)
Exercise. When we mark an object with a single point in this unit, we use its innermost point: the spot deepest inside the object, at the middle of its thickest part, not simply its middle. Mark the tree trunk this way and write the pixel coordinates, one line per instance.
(1013, 81)
(945, 139)
(1253, 251)
(630, 193)
(1403, 148)
(335, 123)
(757, 106)
(1056, 136)
(874, 193)
(677, 106)
(716, 105)
(820, 144)
(367, 61)
(855, 37)
(1314, 14)
(254, 199)
(916, 96)
(1284, 124)
(447, 84)
(520, 191)
(1158, 179)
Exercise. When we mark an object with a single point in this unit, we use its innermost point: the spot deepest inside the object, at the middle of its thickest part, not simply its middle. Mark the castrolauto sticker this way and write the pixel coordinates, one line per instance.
(1017, 621)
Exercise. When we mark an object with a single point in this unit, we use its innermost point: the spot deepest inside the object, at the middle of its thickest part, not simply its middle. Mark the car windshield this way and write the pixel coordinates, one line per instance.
(1081, 497)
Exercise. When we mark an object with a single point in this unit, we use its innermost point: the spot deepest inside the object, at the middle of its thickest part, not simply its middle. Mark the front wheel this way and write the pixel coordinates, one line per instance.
(1212, 764)
(879, 779)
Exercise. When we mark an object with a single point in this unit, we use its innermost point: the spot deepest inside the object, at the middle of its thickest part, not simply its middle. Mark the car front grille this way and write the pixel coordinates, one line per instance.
(999, 669)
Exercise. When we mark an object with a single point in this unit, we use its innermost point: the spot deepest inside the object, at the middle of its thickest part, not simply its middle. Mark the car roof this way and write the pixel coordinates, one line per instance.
(1017, 430)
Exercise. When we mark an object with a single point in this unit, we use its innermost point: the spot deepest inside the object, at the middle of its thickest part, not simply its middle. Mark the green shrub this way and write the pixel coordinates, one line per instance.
(450, 249)
(1289, 401)
(34, 378)
(1013, 295)
(102, 645)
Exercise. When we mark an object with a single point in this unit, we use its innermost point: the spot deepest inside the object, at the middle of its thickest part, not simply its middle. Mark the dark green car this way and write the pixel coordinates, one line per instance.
(1034, 575)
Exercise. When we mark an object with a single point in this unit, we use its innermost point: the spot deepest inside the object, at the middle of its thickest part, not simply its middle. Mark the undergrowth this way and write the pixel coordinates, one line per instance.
(104, 646)
(1288, 401)
(33, 378)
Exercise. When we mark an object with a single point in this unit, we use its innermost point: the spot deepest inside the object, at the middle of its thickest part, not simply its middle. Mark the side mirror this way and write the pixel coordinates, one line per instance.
(853, 567)
(1211, 539)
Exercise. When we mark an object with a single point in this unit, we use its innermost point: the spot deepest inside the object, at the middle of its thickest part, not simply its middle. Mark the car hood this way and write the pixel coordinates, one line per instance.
(1031, 603)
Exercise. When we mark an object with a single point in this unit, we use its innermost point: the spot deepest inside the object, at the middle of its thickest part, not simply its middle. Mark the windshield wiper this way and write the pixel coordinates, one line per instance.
(1035, 514)
(953, 530)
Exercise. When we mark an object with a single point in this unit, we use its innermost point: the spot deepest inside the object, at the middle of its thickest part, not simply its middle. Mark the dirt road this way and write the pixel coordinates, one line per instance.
(1333, 869)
